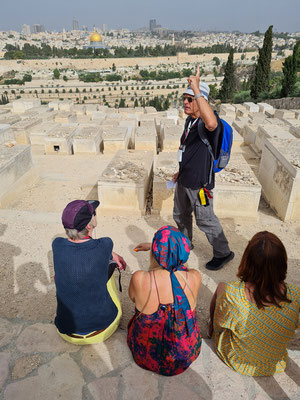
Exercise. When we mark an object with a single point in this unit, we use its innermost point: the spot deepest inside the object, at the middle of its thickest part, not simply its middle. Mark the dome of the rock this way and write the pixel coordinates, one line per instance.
(95, 37)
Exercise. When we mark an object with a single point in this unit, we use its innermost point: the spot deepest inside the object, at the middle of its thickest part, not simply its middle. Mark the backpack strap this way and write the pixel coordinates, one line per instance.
(205, 140)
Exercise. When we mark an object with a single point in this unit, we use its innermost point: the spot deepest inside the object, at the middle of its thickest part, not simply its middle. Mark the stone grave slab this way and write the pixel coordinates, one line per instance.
(111, 122)
(270, 131)
(171, 137)
(239, 124)
(54, 105)
(6, 134)
(65, 117)
(249, 134)
(3, 112)
(165, 166)
(236, 195)
(227, 109)
(91, 108)
(284, 114)
(14, 163)
(124, 184)
(21, 105)
(270, 113)
(22, 129)
(116, 138)
(150, 110)
(146, 139)
(295, 130)
(66, 105)
(9, 119)
(237, 191)
(279, 175)
(60, 140)
(132, 126)
(251, 107)
(98, 116)
(238, 141)
(263, 107)
(240, 110)
(39, 132)
(87, 139)
(83, 119)
(79, 109)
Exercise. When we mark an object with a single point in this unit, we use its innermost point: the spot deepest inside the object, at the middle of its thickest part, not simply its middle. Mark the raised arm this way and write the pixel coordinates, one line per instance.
(206, 113)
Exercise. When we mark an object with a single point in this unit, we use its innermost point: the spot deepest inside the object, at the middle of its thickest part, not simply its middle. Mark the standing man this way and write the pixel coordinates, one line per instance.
(194, 172)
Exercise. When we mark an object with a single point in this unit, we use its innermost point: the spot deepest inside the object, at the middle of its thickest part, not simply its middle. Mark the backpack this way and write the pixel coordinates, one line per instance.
(223, 155)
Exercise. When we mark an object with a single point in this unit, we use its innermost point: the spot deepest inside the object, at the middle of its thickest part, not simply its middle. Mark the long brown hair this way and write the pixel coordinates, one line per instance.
(264, 264)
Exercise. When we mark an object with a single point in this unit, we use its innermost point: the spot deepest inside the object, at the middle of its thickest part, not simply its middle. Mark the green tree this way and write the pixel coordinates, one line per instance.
(114, 67)
(227, 87)
(136, 104)
(290, 72)
(65, 78)
(217, 61)
(122, 103)
(263, 66)
(56, 74)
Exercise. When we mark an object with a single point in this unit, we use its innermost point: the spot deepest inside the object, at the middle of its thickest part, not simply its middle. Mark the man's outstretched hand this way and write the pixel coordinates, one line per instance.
(120, 261)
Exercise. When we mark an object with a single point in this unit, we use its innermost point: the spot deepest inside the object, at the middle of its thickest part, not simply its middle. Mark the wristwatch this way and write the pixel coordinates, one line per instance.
(198, 95)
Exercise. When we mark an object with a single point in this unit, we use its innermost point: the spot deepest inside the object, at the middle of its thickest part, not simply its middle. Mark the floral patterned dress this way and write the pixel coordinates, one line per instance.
(161, 342)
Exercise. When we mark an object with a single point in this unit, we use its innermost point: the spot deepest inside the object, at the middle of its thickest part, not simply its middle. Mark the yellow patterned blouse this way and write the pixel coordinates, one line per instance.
(254, 341)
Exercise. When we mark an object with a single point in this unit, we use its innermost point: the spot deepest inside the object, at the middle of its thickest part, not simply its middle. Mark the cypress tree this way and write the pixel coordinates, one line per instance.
(226, 91)
(290, 72)
(263, 66)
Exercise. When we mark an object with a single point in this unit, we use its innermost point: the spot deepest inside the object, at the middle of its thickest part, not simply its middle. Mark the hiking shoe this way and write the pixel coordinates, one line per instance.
(217, 263)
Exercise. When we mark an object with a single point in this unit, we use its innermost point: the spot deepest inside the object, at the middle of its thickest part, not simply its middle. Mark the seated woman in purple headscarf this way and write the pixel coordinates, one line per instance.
(163, 335)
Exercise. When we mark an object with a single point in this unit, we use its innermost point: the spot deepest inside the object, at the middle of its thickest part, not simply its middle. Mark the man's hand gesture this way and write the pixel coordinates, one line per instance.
(194, 81)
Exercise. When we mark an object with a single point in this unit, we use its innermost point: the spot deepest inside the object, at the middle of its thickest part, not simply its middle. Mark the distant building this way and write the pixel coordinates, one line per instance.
(95, 42)
(37, 28)
(75, 25)
(152, 24)
(25, 30)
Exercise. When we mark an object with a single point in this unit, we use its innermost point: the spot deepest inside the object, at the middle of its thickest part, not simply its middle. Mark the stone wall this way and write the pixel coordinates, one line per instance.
(286, 103)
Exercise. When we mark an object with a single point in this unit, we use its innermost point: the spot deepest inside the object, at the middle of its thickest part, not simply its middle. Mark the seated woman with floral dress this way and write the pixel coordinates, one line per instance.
(254, 318)
(163, 335)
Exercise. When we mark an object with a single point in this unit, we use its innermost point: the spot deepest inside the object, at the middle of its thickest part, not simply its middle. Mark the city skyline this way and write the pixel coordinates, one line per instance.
(219, 16)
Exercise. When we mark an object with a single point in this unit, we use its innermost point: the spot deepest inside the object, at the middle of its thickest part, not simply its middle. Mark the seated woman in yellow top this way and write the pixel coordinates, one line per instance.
(252, 320)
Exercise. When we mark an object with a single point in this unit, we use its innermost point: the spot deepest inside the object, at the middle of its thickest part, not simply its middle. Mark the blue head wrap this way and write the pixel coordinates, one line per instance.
(171, 250)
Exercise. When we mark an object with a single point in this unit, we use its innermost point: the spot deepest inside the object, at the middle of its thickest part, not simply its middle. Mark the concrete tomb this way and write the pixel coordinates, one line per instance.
(87, 139)
(123, 186)
(60, 140)
(14, 163)
(116, 138)
(279, 175)
(39, 132)
(23, 128)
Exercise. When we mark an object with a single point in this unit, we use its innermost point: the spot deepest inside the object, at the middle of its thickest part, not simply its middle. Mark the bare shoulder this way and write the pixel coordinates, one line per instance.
(195, 274)
(139, 277)
(220, 288)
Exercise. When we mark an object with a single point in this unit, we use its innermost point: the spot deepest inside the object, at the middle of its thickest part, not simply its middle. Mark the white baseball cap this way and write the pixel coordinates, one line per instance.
(204, 90)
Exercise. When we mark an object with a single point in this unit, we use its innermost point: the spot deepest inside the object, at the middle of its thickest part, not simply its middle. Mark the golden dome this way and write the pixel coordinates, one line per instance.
(95, 37)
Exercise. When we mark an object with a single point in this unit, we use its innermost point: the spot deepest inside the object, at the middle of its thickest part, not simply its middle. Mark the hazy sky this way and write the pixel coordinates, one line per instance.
(242, 15)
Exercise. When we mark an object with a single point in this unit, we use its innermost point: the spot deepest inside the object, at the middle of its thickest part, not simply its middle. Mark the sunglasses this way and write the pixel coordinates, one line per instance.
(189, 99)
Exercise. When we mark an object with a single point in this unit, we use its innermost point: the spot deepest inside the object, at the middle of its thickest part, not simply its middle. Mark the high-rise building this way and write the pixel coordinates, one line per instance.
(104, 28)
(37, 28)
(152, 24)
(75, 25)
(25, 30)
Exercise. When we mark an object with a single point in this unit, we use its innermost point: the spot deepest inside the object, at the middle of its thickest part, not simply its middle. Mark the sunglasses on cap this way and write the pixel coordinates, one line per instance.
(189, 99)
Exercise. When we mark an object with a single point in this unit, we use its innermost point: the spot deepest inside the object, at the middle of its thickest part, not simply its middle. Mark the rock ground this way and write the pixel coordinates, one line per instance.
(35, 363)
